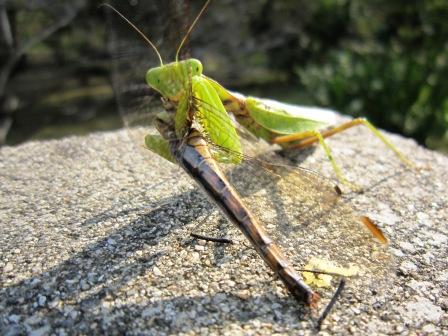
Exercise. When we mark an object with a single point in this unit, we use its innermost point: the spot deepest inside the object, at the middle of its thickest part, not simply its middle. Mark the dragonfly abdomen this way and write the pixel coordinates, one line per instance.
(196, 159)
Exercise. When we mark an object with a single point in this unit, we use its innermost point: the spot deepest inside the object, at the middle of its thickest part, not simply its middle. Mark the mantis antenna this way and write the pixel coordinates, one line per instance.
(136, 29)
(190, 29)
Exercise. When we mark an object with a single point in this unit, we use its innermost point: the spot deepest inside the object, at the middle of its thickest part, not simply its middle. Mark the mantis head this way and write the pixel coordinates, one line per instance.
(173, 78)
(170, 79)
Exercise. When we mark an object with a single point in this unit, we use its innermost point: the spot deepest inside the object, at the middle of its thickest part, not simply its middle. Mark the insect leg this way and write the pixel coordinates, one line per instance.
(208, 238)
(307, 141)
(212, 239)
(313, 134)
(331, 304)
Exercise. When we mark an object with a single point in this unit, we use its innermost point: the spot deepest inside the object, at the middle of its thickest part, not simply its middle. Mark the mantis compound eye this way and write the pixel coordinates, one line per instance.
(195, 66)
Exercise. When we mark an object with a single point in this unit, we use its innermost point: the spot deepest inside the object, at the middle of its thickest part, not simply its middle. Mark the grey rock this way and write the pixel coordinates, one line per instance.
(8, 267)
(11, 330)
(14, 318)
(41, 300)
(45, 330)
(96, 239)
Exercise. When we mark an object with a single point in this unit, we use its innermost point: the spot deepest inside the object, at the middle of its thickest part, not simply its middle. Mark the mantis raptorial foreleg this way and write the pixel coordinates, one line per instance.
(160, 146)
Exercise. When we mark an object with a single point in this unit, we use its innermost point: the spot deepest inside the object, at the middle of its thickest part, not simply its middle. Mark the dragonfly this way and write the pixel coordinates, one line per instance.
(289, 214)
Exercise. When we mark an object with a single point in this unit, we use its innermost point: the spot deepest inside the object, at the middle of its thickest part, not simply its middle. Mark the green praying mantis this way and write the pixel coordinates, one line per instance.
(201, 101)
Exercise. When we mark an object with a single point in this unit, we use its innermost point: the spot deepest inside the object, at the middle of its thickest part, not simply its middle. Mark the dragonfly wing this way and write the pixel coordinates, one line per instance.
(308, 219)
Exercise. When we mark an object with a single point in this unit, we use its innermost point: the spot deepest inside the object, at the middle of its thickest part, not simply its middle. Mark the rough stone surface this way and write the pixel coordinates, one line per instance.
(94, 239)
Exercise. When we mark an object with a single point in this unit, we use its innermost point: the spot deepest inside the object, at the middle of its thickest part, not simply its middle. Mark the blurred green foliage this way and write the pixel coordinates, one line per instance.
(390, 65)
(386, 60)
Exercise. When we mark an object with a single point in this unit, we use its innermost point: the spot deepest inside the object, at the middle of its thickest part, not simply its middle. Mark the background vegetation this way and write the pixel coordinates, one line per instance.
(386, 60)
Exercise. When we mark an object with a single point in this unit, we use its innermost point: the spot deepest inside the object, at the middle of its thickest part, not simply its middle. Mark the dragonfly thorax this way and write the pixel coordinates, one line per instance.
(172, 80)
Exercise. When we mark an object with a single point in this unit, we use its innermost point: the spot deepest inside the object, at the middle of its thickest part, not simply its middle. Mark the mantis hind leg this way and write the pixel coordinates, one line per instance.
(317, 136)
(305, 141)
(307, 138)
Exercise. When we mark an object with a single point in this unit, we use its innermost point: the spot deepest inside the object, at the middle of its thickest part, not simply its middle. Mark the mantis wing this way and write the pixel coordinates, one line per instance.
(213, 118)
(279, 120)
(273, 116)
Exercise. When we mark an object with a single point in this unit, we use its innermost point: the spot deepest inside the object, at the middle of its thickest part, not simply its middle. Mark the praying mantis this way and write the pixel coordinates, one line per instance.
(184, 85)
(197, 129)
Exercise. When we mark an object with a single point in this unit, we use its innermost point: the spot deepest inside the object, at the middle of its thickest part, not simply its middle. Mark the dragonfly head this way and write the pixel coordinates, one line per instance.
(172, 79)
